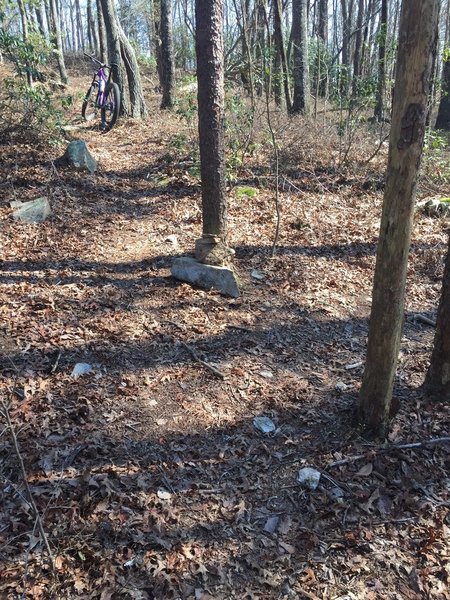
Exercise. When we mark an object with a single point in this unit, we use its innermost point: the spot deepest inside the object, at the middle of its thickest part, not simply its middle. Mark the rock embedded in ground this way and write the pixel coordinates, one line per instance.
(78, 156)
(35, 211)
(222, 279)
(309, 478)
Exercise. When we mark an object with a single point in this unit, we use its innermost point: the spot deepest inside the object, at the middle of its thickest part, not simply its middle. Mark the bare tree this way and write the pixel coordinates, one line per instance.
(418, 28)
(381, 85)
(56, 39)
(211, 248)
(443, 116)
(301, 102)
(167, 66)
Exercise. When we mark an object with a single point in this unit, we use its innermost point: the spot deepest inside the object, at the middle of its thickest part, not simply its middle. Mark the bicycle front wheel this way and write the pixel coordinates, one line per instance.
(89, 109)
(111, 106)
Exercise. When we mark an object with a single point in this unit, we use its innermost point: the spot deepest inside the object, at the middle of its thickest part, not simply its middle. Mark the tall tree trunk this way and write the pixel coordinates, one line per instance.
(24, 22)
(357, 57)
(418, 28)
(137, 109)
(210, 77)
(92, 29)
(437, 381)
(102, 39)
(301, 103)
(79, 21)
(40, 20)
(55, 37)
(322, 27)
(167, 55)
(381, 85)
(443, 116)
(280, 50)
(114, 53)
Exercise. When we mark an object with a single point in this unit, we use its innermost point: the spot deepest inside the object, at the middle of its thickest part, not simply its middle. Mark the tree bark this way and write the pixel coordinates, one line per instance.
(443, 116)
(138, 109)
(114, 52)
(381, 85)
(301, 102)
(437, 381)
(167, 56)
(102, 40)
(281, 59)
(56, 40)
(210, 77)
(418, 28)
(357, 57)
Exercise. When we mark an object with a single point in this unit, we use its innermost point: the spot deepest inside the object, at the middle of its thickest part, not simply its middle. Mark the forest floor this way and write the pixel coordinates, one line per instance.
(149, 474)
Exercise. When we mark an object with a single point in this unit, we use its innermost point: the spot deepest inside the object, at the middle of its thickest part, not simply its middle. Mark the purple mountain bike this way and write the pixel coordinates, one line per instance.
(103, 95)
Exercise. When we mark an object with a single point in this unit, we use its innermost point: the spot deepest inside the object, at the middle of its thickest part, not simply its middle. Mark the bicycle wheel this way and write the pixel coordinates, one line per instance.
(89, 110)
(111, 107)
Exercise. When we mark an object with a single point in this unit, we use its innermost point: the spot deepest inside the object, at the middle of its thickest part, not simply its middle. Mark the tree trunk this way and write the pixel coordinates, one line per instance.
(357, 57)
(379, 107)
(55, 38)
(281, 60)
(322, 27)
(102, 40)
(301, 103)
(418, 28)
(40, 20)
(114, 52)
(79, 22)
(167, 55)
(443, 116)
(137, 109)
(210, 77)
(24, 21)
(437, 381)
(92, 29)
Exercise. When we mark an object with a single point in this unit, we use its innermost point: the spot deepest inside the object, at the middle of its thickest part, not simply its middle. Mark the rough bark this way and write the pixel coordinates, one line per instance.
(443, 116)
(114, 52)
(210, 77)
(322, 27)
(102, 40)
(381, 84)
(437, 381)
(92, 29)
(418, 28)
(167, 55)
(137, 108)
(301, 101)
(281, 59)
(56, 40)
(357, 57)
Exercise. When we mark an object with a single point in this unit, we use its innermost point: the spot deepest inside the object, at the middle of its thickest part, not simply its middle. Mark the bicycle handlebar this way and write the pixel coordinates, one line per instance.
(95, 60)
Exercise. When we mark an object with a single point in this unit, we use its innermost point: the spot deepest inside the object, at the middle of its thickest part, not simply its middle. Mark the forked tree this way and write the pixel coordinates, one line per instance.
(211, 248)
(417, 32)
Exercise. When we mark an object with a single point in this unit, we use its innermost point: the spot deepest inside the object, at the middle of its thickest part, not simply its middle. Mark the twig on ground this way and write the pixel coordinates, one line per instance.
(390, 448)
(31, 502)
(424, 319)
(196, 357)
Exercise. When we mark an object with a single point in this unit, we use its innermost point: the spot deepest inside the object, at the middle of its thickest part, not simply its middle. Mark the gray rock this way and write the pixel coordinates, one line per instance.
(264, 424)
(222, 279)
(35, 211)
(78, 156)
(309, 478)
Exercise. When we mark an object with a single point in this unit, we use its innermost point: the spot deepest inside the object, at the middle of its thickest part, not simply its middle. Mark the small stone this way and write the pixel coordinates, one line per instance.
(264, 424)
(81, 369)
(340, 386)
(259, 275)
(271, 524)
(266, 374)
(172, 239)
(163, 494)
(336, 494)
(309, 478)
(35, 211)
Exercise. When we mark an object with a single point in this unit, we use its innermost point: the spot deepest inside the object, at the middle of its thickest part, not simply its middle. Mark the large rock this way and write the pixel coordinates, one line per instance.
(208, 277)
(34, 211)
(78, 156)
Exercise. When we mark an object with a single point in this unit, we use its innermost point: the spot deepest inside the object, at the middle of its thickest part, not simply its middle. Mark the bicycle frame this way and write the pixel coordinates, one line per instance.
(101, 79)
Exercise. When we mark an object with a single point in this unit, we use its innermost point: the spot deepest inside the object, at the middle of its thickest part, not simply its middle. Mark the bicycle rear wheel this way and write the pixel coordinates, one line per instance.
(111, 107)
(89, 110)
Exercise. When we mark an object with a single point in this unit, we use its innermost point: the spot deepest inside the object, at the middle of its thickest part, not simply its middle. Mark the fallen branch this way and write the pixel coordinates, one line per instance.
(424, 319)
(387, 449)
(196, 357)
(30, 500)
